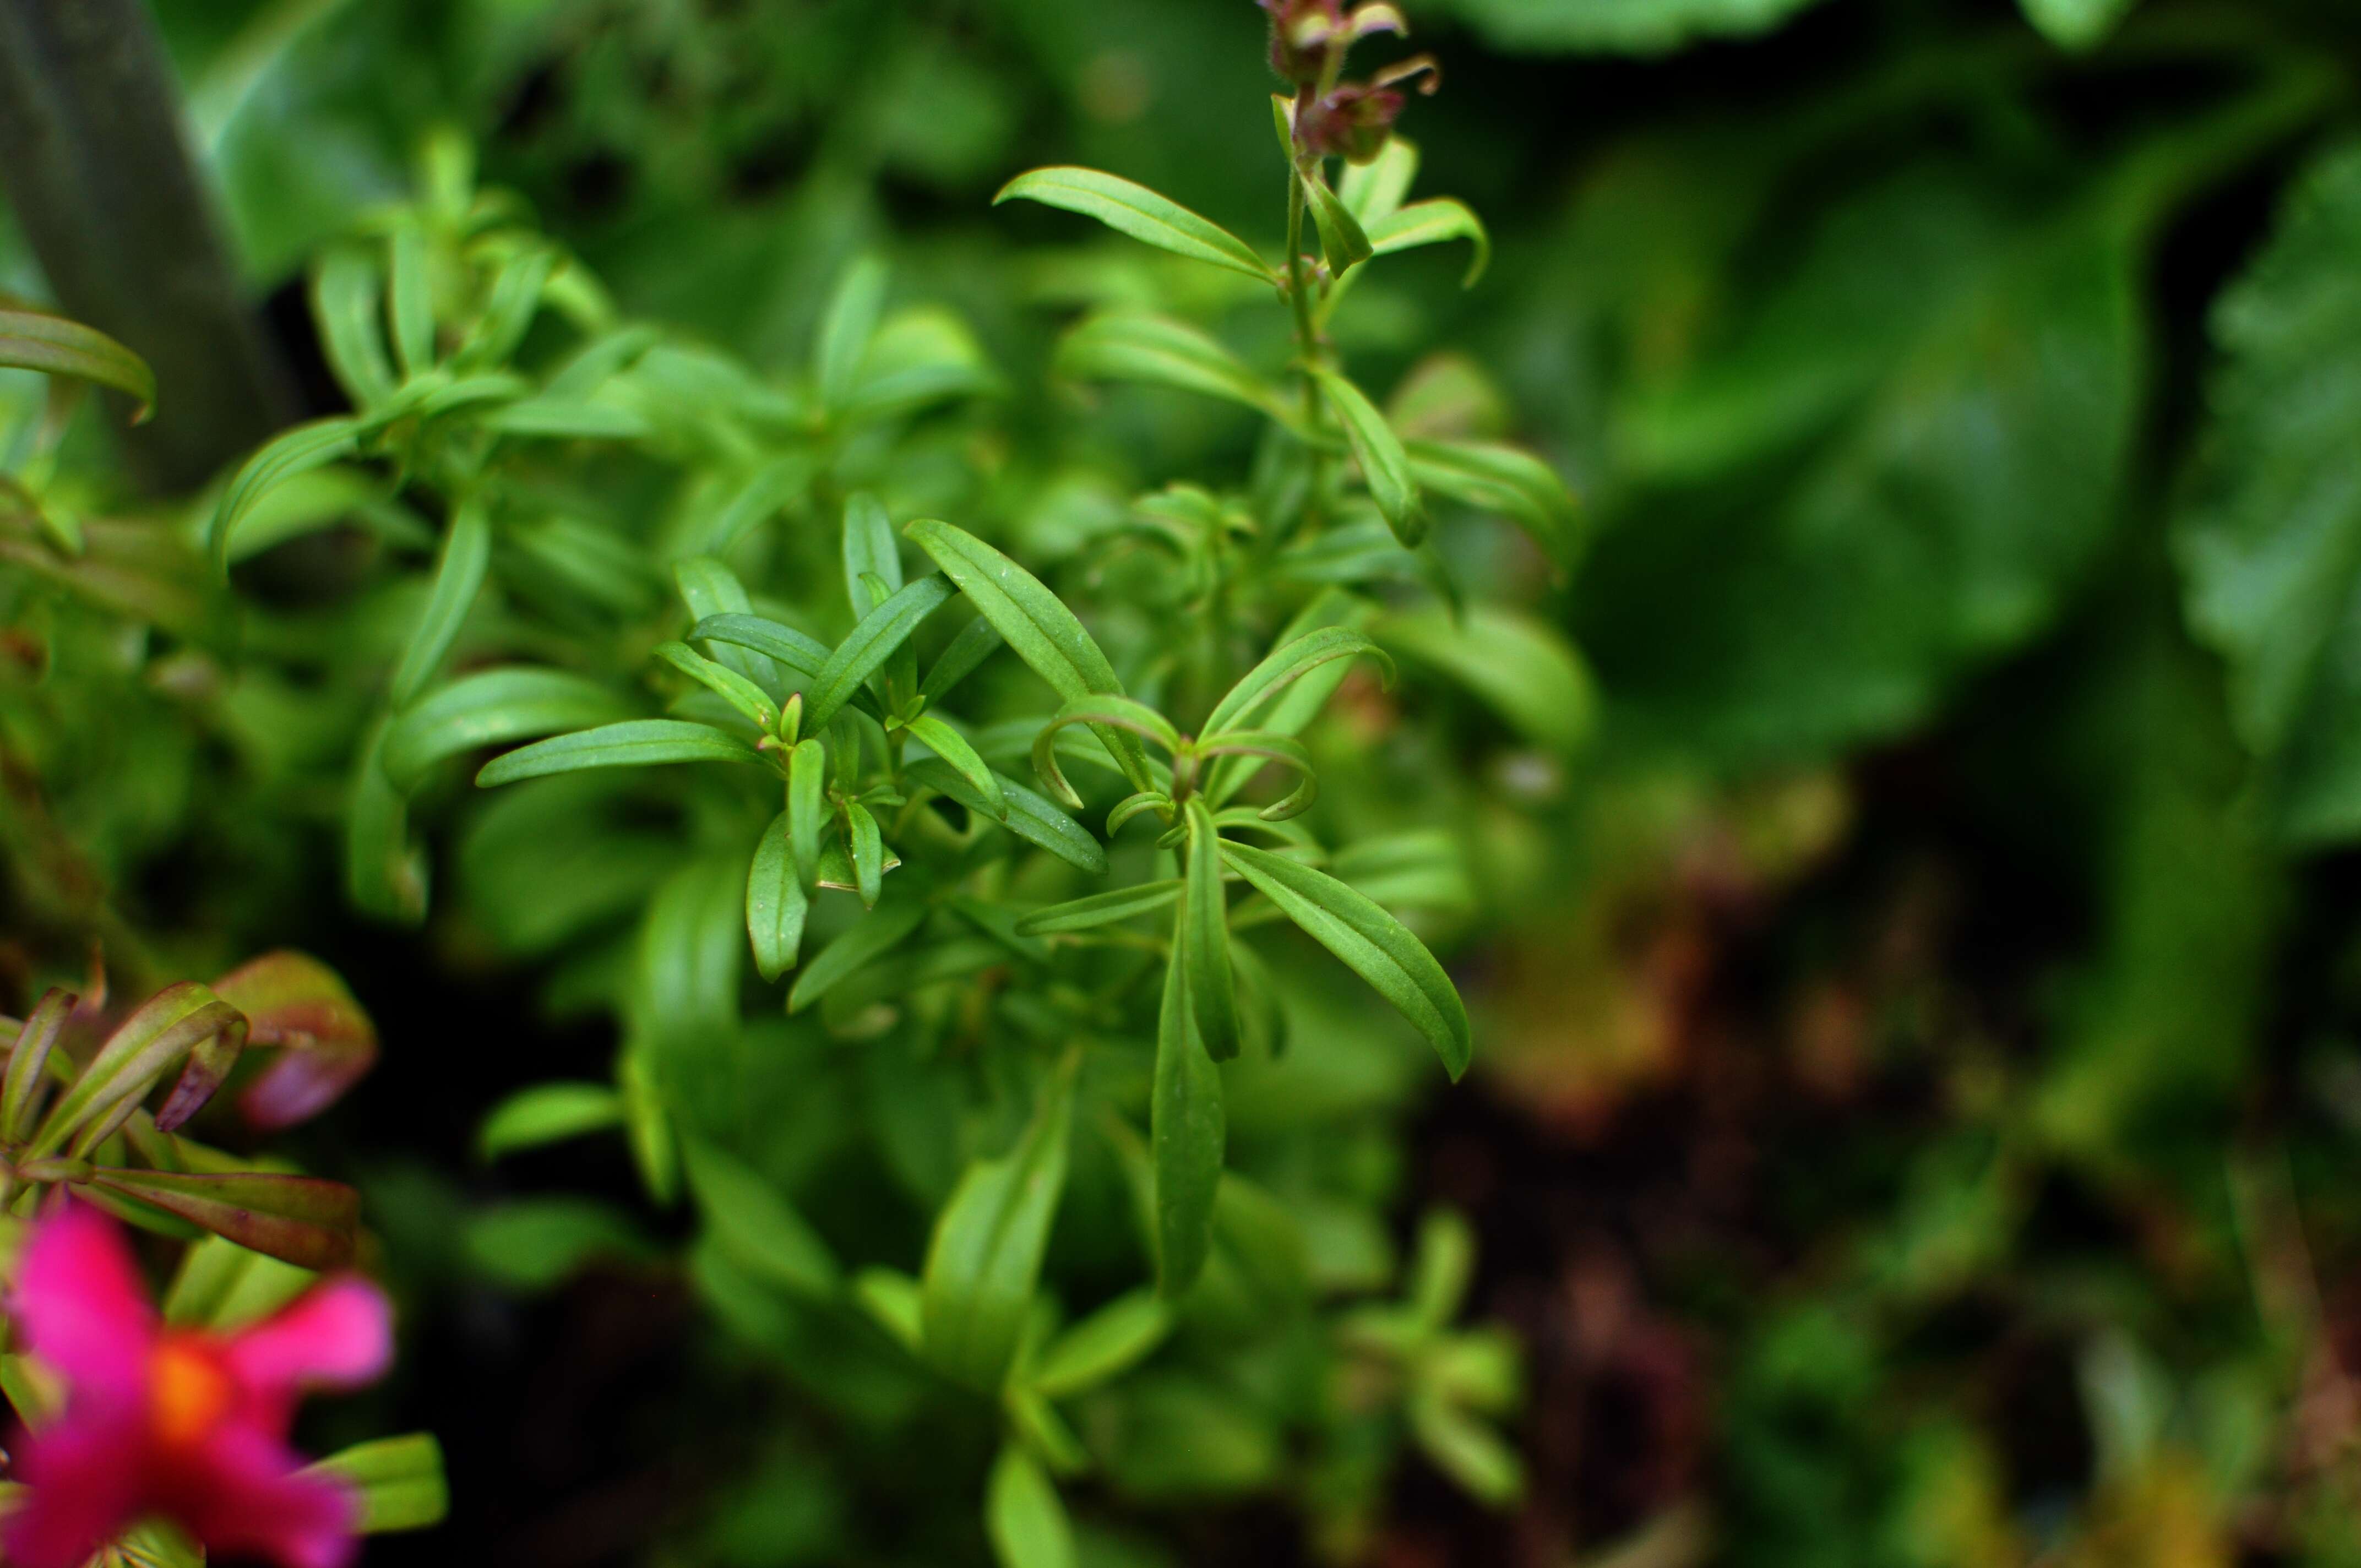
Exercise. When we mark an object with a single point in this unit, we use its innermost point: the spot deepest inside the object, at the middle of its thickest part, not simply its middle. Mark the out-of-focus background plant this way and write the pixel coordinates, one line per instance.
(1892, 840)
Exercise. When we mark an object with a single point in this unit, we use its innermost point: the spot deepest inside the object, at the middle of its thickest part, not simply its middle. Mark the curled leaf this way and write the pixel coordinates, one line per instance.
(322, 1040)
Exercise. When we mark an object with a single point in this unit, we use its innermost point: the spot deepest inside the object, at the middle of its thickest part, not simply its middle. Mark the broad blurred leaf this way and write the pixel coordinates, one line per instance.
(1522, 668)
(985, 1257)
(755, 1226)
(1897, 468)
(546, 1113)
(2270, 540)
(2077, 24)
(1026, 1520)
(1631, 27)
(1186, 1130)
(398, 1481)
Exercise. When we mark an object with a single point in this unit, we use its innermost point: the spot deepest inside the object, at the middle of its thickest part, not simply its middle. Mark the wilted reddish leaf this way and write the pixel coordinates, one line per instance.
(325, 1043)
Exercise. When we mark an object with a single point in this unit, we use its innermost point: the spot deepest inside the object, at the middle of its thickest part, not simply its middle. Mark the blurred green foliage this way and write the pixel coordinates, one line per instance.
(1912, 952)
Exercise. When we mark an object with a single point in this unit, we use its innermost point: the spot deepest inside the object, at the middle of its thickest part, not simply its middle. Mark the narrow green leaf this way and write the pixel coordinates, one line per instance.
(490, 707)
(865, 941)
(755, 1226)
(775, 901)
(1433, 222)
(891, 1298)
(531, 1244)
(566, 419)
(508, 312)
(1373, 190)
(1372, 943)
(868, 850)
(845, 329)
(1285, 664)
(438, 396)
(588, 368)
(1187, 1128)
(1032, 621)
(798, 650)
(2077, 24)
(975, 645)
(1521, 666)
(726, 683)
(766, 492)
(458, 578)
(713, 592)
(1441, 1267)
(27, 1059)
(1035, 622)
(919, 354)
(397, 1481)
(181, 1021)
(953, 747)
(299, 1220)
(1504, 479)
(1384, 464)
(986, 1258)
(636, 744)
(1136, 345)
(1205, 934)
(385, 873)
(1102, 714)
(1024, 1516)
(1032, 817)
(1467, 1451)
(869, 644)
(1309, 691)
(293, 452)
(1341, 239)
(869, 547)
(221, 1285)
(33, 340)
(807, 805)
(547, 1114)
(347, 302)
(1099, 908)
(1036, 1424)
(410, 297)
(1262, 1016)
(1261, 747)
(1137, 211)
(647, 1121)
(1106, 1343)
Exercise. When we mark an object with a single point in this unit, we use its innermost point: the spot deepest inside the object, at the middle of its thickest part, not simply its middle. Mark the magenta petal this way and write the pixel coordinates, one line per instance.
(83, 1480)
(83, 1306)
(338, 1335)
(244, 1496)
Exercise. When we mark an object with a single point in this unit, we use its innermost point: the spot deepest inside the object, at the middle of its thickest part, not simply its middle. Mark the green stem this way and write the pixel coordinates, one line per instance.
(1307, 335)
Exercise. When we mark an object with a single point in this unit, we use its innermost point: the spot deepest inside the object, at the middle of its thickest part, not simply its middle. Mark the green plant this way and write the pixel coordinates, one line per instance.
(1036, 1018)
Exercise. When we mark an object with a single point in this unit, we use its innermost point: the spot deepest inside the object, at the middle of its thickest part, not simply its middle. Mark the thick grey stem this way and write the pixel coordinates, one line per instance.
(95, 165)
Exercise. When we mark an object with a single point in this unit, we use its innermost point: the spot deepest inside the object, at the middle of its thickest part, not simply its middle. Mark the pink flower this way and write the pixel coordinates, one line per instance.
(178, 1421)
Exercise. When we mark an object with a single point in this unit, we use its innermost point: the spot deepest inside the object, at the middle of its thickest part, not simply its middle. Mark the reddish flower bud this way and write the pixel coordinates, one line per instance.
(1300, 33)
(1352, 122)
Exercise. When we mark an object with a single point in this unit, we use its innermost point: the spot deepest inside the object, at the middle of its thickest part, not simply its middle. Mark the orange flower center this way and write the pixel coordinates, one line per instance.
(188, 1391)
